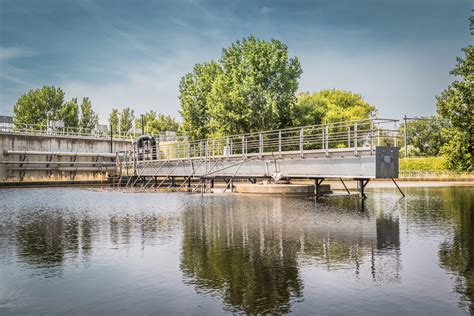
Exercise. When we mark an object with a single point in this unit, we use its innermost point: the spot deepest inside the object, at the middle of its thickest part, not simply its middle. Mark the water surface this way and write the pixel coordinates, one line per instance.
(79, 251)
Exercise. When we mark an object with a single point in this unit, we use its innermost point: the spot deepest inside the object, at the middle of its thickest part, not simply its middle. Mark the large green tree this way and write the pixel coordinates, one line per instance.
(256, 89)
(456, 105)
(424, 136)
(88, 119)
(251, 88)
(126, 119)
(69, 113)
(114, 120)
(157, 122)
(35, 106)
(329, 106)
(194, 90)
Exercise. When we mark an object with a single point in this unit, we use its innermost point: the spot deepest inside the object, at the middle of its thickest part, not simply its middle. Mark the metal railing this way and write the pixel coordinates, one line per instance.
(44, 129)
(355, 136)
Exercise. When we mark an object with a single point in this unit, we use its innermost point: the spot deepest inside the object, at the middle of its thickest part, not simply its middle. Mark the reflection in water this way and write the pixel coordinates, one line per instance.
(249, 249)
(80, 250)
(457, 254)
(46, 239)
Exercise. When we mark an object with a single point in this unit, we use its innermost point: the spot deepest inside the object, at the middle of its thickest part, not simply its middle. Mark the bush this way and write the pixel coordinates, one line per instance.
(423, 164)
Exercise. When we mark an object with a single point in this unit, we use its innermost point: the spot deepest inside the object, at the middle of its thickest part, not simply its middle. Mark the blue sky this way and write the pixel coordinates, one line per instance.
(397, 54)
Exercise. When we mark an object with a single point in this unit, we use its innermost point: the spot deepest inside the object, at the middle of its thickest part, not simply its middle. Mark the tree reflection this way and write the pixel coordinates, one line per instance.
(457, 255)
(249, 250)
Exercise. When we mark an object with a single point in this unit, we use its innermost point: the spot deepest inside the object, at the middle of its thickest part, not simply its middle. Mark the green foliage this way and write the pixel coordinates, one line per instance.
(329, 106)
(251, 88)
(157, 122)
(310, 109)
(423, 164)
(69, 113)
(114, 120)
(256, 90)
(456, 105)
(33, 107)
(88, 119)
(425, 136)
(194, 89)
(126, 119)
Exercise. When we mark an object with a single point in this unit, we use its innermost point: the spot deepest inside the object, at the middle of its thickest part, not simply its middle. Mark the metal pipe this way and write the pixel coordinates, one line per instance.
(58, 153)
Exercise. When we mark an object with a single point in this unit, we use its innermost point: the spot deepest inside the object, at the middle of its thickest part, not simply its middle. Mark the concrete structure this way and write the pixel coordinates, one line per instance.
(31, 157)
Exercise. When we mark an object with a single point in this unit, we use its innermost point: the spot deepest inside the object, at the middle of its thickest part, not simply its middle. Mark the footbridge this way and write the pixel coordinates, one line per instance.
(358, 150)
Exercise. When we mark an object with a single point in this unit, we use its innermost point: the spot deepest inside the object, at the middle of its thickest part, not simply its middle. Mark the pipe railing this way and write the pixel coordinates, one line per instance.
(353, 135)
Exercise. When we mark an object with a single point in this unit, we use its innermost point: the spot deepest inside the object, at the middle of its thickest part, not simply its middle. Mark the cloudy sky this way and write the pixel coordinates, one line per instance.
(396, 53)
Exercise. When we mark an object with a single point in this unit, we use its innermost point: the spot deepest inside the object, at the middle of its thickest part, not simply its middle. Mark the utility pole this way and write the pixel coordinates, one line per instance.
(406, 133)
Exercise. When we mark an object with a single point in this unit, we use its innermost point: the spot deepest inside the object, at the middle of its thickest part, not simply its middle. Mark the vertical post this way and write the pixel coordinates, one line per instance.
(227, 146)
(189, 150)
(213, 148)
(260, 144)
(143, 125)
(279, 144)
(327, 140)
(349, 136)
(177, 150)
(111, 139)
(302, 143)
(395, 143)
(355, 139)
(158, 151)
(231, 147)
(371, 136)
(405, 136)
(322, 139)
(243, 146)
(378, 136)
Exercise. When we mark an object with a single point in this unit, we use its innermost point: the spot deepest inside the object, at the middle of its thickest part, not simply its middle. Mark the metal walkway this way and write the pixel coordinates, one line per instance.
(361, 150)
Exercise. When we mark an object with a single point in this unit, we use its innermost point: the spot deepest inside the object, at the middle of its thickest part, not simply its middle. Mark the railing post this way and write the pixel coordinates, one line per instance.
(378, 136)
(302, 143)
(395, 143)
(322, 139)
(189, 150)
(243, 147)
(279, 144)
(349, 137)
(260, 144)
(355, 139)
(158, 152)
(227, 146)
(177, 150)
(371, 137)
(327, 140)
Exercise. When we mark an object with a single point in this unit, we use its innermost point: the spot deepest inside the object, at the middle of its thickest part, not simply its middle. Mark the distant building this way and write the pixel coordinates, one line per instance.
(6, 123)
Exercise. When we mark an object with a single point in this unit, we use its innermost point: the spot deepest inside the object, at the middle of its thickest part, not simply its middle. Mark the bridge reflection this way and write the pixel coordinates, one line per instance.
(250, 250)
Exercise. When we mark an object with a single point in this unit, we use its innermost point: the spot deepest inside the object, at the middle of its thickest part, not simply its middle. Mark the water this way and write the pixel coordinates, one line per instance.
(77, 251)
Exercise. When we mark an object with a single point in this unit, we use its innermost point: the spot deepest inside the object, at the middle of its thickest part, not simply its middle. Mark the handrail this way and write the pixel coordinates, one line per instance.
(355, 135)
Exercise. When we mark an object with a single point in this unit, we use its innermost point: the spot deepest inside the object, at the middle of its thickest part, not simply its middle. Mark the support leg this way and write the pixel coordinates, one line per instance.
(403, 194)
(317, 186)
(362, 184)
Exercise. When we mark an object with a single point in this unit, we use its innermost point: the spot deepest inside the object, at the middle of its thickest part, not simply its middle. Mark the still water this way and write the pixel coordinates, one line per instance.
(79, 251)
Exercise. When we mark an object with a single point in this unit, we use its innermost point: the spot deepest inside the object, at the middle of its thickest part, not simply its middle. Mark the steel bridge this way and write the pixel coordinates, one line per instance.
(359, 150)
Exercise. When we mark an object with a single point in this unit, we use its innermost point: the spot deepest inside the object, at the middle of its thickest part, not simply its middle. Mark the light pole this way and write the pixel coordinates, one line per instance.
(405, 136)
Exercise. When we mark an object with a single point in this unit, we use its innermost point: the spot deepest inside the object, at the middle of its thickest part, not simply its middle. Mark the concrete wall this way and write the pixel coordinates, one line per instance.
(52, 143)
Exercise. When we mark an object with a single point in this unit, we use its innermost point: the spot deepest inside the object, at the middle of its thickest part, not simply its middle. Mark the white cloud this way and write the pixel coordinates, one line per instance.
(9, 53)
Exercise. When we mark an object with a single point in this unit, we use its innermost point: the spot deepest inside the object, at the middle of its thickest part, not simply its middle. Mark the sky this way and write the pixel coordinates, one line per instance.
(396, 53)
